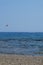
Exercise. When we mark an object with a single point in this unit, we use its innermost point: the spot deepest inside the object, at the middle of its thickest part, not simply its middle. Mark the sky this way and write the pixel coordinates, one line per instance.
(21, 15)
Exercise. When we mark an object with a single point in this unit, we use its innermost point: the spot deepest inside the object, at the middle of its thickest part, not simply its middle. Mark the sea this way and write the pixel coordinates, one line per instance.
(21, 43)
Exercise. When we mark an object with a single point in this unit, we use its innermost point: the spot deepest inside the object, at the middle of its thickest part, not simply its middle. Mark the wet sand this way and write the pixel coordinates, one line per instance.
(7, 59)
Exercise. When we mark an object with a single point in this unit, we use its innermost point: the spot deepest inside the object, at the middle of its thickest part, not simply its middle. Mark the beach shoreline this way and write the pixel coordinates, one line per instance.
(11, 59)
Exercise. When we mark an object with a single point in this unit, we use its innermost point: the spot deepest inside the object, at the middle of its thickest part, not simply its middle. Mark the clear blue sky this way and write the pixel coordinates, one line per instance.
(21, 15)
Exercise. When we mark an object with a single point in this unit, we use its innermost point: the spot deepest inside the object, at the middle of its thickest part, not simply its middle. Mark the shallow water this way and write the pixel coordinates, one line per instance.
(21, 43)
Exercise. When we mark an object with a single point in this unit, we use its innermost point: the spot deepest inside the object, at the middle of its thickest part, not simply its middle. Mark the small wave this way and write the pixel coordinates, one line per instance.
(21, 39)
(38, 52)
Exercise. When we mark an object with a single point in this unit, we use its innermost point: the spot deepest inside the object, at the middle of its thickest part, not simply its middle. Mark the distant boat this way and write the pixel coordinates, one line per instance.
(7, 25)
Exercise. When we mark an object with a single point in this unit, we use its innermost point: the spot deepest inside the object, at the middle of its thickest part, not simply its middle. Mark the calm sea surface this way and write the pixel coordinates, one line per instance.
(22, 43)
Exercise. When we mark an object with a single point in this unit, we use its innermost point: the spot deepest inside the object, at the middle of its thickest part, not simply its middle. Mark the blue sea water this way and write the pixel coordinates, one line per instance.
(22, 43)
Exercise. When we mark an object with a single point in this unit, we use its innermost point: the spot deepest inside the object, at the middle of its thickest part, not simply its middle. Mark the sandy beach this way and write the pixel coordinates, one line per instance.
(6, 59)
